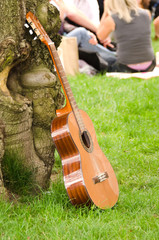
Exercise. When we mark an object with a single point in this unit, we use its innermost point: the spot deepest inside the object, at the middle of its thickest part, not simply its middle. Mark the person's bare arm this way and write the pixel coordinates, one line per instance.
(75, 15)
(107, 25)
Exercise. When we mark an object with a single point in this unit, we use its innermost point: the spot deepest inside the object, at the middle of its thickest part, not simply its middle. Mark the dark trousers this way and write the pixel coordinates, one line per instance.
(119, 67)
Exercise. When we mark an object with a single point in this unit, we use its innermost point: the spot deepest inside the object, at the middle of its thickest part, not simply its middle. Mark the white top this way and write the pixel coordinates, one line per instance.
(89, 7)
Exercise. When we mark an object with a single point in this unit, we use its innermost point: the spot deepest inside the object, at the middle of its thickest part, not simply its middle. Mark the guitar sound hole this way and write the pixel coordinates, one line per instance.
(85, 139)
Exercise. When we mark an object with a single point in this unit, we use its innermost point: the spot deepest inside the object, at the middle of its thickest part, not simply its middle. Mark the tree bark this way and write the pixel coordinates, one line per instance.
(30, 93)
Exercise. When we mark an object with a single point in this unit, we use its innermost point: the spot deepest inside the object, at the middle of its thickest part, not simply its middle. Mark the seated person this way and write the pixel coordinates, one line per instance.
(87, 42)
(101, 7)
(80, 13)
(154, 8)
(131, 26)
(143, 3)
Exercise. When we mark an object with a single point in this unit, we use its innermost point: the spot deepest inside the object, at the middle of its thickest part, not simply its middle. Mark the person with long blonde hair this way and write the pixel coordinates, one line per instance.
(132, 30)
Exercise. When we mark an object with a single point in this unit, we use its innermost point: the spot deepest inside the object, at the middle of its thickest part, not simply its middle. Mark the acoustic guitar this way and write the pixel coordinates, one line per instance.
(88, 175)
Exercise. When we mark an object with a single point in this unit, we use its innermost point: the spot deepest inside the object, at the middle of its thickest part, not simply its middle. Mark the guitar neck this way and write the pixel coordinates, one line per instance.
(70, 100)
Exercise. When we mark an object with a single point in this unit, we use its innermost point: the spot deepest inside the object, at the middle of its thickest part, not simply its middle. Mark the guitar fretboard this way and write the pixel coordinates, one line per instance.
(65, 85)
(41, 33)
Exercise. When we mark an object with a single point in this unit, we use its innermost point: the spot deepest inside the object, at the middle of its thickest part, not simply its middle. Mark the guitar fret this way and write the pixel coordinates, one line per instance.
(56, 58)
(64, 76)
(60, 71)
(66, 83)
(71, 97)
(58, 64)
(66, 86)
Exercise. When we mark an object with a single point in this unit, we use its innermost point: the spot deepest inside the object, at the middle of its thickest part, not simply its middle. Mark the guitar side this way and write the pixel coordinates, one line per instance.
(71, 161)
(88, 175)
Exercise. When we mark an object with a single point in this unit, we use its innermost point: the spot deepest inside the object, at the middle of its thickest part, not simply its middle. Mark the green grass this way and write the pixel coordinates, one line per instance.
(125, 114)
(17, 178)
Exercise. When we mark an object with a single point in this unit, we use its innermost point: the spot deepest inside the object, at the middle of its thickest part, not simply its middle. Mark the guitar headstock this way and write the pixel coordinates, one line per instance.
(37, 28)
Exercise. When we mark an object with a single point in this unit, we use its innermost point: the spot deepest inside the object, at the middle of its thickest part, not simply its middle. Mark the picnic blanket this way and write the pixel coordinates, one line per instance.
(142, 75)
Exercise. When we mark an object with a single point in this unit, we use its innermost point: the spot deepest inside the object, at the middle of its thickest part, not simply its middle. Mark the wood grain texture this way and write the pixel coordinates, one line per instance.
(81, 166)
(70, 157)
(88, 175)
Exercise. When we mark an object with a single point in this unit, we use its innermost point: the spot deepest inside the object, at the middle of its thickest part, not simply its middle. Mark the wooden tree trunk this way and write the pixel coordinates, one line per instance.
(30, 93)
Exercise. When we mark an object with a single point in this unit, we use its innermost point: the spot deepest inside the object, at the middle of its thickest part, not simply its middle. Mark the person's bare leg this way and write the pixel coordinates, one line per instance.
(156, 27)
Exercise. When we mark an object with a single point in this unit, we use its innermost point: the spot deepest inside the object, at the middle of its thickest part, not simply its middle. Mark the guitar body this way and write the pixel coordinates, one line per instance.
(88, 175)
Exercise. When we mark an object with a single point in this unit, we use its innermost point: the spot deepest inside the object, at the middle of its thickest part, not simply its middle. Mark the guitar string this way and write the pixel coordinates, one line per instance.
(71, 98)
(67, 88)
(65, 83)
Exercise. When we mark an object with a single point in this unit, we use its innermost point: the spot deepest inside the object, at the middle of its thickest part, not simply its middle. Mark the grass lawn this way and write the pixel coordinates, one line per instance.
(125, 114)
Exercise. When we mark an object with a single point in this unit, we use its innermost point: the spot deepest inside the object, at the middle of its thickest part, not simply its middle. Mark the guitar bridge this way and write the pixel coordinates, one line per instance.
(100, 178)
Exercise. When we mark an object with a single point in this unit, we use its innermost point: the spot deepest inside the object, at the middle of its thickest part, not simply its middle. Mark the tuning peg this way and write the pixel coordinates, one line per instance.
(31, 32)
(34, 38)
(26, 25)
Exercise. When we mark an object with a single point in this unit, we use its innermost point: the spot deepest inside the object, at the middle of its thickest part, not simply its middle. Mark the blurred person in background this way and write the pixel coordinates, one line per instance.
(153, 6)
(78, 13)
(80, 19)
(132, 28)
(101, 7)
